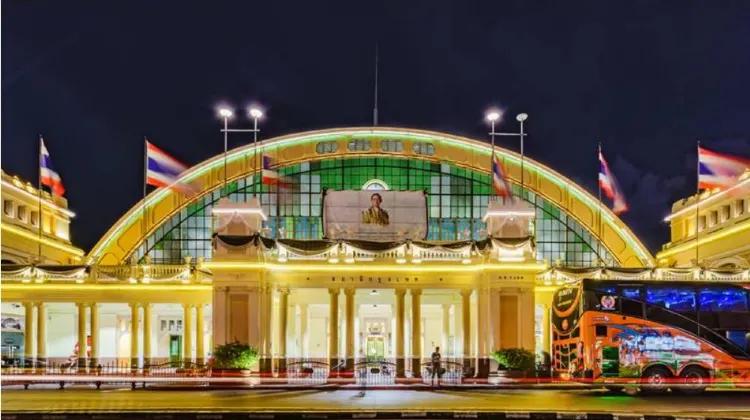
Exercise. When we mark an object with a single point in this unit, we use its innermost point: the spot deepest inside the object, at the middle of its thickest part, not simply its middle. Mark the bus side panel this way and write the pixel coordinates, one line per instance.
(640, 344)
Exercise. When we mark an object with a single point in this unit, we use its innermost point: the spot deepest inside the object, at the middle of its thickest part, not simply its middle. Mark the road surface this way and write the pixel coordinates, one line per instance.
(719, 403)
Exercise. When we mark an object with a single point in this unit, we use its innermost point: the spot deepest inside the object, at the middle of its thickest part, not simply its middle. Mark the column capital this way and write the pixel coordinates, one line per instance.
(400, 292)
(466, 292)
(416, 291)
(334, 290)
(93, 305)
(349, 291)
(134, 305)
(188, 305)
(40, 304)
(283, 290)
(80, 305)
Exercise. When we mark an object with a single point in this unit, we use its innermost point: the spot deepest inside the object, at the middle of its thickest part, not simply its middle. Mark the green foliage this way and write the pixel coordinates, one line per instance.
(519, 359)
(235, 356)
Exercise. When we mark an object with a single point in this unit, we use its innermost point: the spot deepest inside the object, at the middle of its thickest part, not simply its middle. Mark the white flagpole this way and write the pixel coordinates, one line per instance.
(598, 182)
(697, 202)
(39, 190)
(144, 224)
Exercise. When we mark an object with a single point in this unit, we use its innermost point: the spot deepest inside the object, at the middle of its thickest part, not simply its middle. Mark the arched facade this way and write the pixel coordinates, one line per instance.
(454, 171)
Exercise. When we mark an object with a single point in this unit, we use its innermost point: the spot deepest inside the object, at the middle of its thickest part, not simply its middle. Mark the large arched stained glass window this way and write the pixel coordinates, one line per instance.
(457, 201)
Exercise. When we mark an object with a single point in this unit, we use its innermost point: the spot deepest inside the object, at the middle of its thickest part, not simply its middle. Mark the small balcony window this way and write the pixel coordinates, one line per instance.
(725, 213)
(23, 214)
(739, 207)
(359, 145)
(392, 146)
(427, 149)
(325, 147)
(35, 218)
(8, 208)
(713, 218)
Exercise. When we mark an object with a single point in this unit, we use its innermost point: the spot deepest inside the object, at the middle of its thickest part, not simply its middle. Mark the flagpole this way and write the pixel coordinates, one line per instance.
(255, 157)
(598, 182)
(39, 190)
(697, 201)
(492, 155)
(144, 225)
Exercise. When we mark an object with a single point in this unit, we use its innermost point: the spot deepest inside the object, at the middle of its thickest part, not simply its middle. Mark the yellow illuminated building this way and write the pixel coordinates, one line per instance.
(177, 275)
(722, 219)
(22, 240)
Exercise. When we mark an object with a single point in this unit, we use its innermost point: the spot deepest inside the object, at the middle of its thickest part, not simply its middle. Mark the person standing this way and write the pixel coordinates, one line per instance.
(436, 368)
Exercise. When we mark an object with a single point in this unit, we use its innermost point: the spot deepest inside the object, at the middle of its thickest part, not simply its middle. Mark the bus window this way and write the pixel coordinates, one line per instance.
(606, 290)
(678, 299)
(714, 299)
(740, 338)
(632, 293)
(631, 307)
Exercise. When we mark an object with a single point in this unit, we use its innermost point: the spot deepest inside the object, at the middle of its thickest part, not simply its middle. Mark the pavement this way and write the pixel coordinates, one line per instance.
(83, 399)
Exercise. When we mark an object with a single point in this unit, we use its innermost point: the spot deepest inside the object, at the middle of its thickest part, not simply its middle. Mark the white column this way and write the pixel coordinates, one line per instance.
(28, 343)
(333, 326)
(200, 350)
(95, 334)
(304, 338)
(446, 328)
(146, 334)
(187, 332)
(495, 320)
(82, 342)
(134, 308)
(41, 330)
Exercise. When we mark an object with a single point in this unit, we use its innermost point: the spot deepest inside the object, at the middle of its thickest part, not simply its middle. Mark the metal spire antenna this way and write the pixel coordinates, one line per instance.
(375, 106)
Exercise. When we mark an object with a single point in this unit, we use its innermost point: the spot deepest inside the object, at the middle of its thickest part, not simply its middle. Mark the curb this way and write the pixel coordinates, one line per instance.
(365, 415)
(368, 387)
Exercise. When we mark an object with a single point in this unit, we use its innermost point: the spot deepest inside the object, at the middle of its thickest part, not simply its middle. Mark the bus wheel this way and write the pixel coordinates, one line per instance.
(655, 380)
(692, 380)
(614, 388)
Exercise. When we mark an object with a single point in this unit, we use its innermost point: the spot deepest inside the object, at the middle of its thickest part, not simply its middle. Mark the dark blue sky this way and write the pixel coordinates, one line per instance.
(646, 78)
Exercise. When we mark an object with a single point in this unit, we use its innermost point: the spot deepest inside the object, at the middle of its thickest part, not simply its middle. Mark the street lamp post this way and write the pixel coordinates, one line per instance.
(521, 118)
(226, 114)
(495, 115)
(255, 113)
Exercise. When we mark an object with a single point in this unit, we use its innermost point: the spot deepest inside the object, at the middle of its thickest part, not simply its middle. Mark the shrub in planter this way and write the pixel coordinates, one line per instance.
(514, 363)
(233, 359)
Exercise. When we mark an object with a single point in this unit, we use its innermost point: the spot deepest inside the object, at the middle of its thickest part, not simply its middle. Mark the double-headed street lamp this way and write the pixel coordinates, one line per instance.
(255, 113)
(496, 115)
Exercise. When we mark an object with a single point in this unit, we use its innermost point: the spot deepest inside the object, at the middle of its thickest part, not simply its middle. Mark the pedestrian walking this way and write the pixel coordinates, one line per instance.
(436, 368)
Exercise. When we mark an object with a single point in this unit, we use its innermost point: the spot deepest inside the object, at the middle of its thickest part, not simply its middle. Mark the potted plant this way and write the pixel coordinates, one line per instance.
(514, 363)
(233, 360)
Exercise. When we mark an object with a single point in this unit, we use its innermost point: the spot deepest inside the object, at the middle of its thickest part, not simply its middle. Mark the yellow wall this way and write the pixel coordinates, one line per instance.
(723, 238)
(20, 239)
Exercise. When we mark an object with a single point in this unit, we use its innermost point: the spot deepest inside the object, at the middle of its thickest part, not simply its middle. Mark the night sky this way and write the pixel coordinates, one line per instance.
(646, 78)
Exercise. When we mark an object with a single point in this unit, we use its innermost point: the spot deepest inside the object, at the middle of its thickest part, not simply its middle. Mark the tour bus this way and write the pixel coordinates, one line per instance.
(655, 335)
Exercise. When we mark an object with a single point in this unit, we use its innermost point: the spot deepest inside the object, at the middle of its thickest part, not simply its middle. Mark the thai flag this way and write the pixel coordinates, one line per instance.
(47, 173)
(499, 179)
(162, 170)
(608, 184)
(716, 170)
(271, 176)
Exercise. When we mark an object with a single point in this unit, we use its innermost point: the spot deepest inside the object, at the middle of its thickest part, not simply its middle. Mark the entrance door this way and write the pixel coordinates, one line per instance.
(375, 348)
(175, 348)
